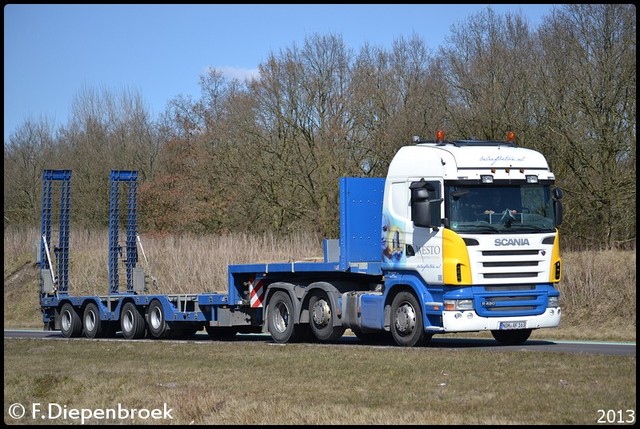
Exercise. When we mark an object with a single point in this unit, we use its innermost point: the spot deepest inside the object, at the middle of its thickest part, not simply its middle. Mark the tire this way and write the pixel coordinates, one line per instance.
(132, 322)
(321, 318)
(510, 338)
(406, 320)
(156, 320)
(92, 325)
(221, 332)
(280, 319)
(70, 323)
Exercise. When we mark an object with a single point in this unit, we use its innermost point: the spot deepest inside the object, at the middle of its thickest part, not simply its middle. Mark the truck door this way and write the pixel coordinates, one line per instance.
(424, 243)
(406, 246)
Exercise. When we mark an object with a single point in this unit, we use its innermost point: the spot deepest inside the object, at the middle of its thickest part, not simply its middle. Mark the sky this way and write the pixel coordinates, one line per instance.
(54, 52)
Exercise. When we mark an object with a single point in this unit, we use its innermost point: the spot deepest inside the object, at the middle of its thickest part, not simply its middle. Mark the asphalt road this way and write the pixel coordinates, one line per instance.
(438, 342)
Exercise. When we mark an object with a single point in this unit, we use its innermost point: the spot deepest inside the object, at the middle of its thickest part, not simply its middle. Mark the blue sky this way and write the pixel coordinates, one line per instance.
(52, 52)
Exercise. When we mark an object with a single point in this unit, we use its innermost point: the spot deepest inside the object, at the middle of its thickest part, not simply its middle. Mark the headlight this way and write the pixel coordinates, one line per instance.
(553, 301)
(458, 304)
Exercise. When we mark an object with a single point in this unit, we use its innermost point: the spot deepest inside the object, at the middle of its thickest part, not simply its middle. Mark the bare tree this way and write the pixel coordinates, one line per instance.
(587, 81)
(26, 154)
(486, 65)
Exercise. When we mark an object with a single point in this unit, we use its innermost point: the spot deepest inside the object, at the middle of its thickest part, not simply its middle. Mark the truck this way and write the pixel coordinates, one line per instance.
(421, 252)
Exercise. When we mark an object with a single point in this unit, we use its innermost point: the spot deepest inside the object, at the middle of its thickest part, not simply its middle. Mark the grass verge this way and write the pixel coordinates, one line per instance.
(256, 383)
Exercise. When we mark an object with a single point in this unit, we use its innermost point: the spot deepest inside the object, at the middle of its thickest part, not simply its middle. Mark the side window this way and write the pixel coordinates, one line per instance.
(399, 199)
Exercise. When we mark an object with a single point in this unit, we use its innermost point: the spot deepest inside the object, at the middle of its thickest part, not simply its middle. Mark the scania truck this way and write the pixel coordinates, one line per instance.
(461, 236)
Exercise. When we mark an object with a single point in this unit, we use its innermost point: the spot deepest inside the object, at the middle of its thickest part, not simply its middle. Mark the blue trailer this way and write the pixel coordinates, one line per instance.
(418, 255)
(292, 288)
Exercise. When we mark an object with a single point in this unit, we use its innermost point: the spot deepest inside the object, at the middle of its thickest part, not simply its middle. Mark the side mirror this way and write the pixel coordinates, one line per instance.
(557, 206)
(557, 212)
(422, 214)
(557, 193)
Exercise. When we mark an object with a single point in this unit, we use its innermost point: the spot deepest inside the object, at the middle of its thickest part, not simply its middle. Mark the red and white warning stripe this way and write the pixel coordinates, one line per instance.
(256, 292)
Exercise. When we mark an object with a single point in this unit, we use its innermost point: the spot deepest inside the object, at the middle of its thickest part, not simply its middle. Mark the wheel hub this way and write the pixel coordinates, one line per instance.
(127, 321)
(321, 312)
(66, 320)
(281, 319)
(405, 319)
(156, 318)
(90, 321)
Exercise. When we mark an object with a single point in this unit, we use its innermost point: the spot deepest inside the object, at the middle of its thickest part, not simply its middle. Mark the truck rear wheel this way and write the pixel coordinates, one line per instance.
(131, 322)
(280, 319)
(70, 323)
(321, 318)
(406, 320)
(513, 337)
(93, 326)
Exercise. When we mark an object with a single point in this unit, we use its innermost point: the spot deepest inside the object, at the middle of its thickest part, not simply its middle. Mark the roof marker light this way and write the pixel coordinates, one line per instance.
(439, 136)
(511, 136)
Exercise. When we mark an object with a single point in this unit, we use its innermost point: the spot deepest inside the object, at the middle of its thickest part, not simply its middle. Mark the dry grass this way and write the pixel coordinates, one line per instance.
(598, 288)
(248, 383)
(256, 383)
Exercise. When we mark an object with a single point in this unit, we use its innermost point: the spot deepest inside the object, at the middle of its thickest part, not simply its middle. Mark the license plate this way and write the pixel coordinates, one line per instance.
(520, 324)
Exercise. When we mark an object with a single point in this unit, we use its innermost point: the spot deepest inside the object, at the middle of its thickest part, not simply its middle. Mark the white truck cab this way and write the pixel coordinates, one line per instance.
(475, 223)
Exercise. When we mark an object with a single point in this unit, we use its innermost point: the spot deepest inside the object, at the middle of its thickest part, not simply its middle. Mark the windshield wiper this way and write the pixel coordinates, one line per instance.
(485, 226)
(531, 227)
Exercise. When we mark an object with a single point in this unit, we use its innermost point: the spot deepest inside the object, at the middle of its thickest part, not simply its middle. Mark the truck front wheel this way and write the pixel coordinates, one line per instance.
(280, 319)
(321, 318)
(406, 320)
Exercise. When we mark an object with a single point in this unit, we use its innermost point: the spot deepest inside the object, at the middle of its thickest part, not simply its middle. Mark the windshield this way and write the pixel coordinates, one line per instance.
(499, 208)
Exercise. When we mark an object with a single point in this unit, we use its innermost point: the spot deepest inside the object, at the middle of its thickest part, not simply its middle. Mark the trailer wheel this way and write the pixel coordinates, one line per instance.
(510, 338)
(93, 326)
(280, 319)
(406, 320)
(131, 322)
(158, 327)
(70, 323)
(321, 318)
